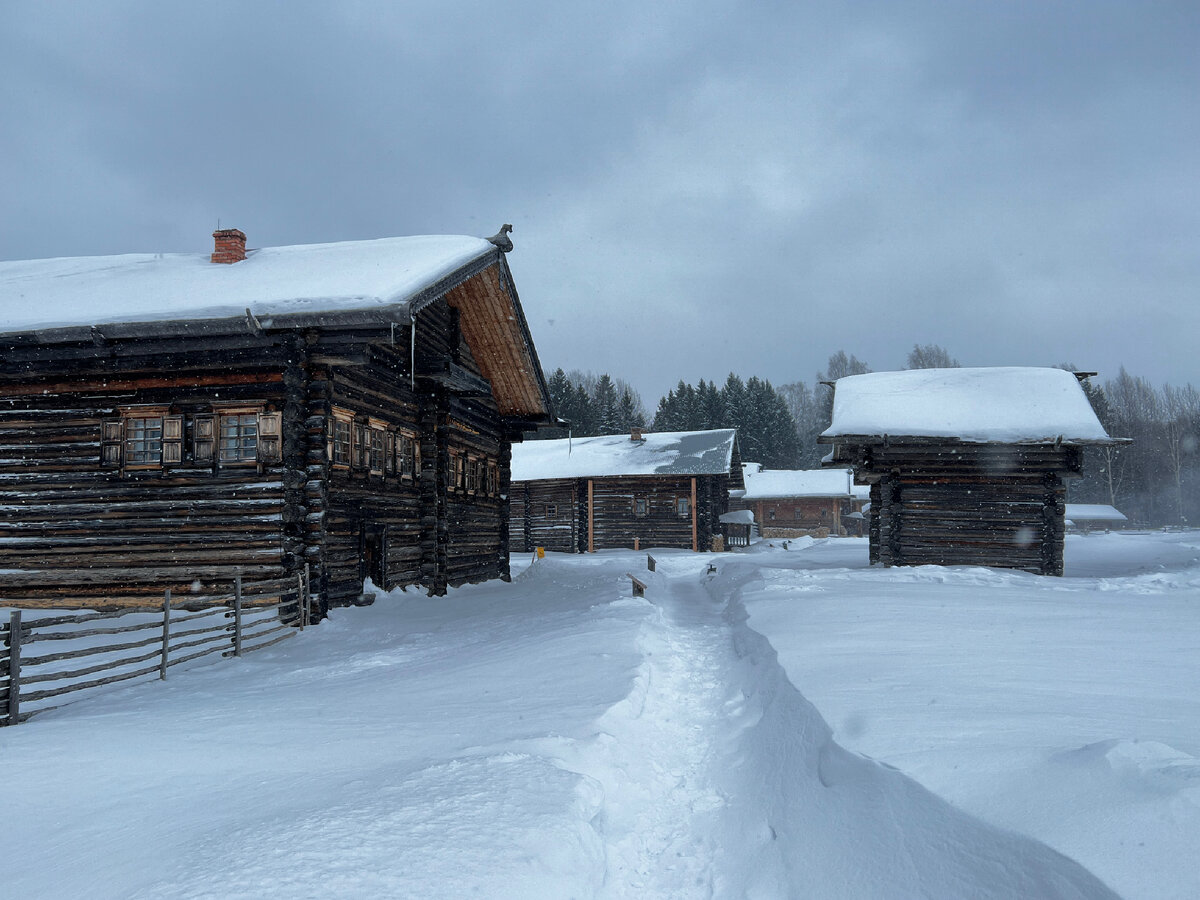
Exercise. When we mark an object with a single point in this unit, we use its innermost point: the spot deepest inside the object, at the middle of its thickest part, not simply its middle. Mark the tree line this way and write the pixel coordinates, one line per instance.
(1154, 480)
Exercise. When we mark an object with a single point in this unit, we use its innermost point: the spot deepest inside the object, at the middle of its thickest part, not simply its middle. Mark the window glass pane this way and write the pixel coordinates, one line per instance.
(143, 440)
(239, 437)
(341, 442)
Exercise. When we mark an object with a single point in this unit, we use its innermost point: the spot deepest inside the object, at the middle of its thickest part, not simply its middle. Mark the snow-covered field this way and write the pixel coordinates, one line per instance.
(555, 737)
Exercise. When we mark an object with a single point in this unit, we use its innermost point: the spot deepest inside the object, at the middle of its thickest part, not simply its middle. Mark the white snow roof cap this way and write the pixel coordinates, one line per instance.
(1012, 405)
(665, 453)
(740, 516)
(372, 276)
(768, 483)
(1094, 512)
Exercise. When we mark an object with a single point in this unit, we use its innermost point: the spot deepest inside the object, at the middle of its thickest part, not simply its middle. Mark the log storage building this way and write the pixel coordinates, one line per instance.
(795, 502)
(578, 495)
(966, 466)
(176, 420)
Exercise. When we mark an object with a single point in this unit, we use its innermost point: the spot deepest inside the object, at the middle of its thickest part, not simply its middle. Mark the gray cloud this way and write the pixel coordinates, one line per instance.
(696, 188)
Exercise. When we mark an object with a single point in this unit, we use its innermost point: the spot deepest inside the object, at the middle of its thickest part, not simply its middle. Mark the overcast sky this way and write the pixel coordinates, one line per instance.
(695, 188)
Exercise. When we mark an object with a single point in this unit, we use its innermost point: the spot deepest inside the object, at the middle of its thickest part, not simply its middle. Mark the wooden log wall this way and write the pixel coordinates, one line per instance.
(1001, 506)
(564, 530)
(75, 533)
(427, 530)
(616, 524)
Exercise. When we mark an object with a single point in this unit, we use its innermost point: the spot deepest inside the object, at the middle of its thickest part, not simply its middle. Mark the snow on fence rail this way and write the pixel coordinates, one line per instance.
(153, 639)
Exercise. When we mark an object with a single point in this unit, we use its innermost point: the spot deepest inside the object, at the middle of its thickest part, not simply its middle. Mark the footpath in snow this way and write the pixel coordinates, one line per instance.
(549, 738)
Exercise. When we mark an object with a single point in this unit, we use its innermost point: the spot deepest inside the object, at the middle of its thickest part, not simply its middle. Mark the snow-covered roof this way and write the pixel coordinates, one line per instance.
(861, 491)
(769, 483)
(665, 453)
(273, 281)
(1004, 405)
(738, 516)
(1094, 512)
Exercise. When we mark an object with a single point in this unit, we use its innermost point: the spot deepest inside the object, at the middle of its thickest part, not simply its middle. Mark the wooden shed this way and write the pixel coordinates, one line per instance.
(175, 420)
(578, 495)
(795, 502)
(966, 466)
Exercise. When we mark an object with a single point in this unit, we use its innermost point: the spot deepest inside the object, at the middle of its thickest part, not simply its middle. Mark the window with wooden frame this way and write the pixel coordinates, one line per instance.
(376, 444)
(237, 442)
(683, 506)
(458, 470)
(407, 456)
(472, 484)
(551, 510)
(641, 506)
(358, 447)
(339, 436)
(141, 438)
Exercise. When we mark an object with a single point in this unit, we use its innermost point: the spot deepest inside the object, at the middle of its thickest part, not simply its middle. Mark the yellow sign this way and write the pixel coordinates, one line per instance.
(541, 552)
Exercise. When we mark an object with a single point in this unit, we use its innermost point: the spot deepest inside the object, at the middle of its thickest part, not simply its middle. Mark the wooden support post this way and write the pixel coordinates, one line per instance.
(637, 543)
(237, 616)
(591, 517)
(14, 667)
(301, 611)
(166, 638)
(307, 593)
(695, 538)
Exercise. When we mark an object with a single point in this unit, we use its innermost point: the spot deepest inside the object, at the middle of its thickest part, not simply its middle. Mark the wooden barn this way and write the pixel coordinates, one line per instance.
(176, 420)
(795, 502)
(578, 495)
(966, 466)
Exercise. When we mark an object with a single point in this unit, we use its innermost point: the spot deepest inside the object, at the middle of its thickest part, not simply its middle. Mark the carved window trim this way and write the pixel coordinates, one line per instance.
(376, 439)
(340, 437)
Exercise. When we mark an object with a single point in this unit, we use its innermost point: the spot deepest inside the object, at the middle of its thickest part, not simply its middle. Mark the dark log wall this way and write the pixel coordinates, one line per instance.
(986, 505)
(813, 512)
(549, 514)
(73, 532)
(425, 530)
(616, 524)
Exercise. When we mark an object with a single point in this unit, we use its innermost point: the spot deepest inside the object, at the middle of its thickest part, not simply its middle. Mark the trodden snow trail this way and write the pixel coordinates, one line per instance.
(718, 779)
(654, 753)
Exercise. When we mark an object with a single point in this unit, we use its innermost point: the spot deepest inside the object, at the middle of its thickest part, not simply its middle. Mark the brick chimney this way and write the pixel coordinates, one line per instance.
(635, 434)
(230, 246)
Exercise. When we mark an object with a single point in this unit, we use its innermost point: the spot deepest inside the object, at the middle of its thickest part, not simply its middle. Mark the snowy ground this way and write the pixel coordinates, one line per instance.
(557, 738)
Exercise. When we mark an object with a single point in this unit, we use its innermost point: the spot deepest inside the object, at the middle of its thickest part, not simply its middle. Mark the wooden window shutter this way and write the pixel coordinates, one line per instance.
(329, 438)
(270, 437)
(204, 441)
(172, 440)
(110, 443)
(389, 457)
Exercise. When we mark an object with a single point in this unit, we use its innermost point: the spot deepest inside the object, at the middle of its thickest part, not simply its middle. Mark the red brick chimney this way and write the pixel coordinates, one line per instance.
(230, 246)
(635, 434)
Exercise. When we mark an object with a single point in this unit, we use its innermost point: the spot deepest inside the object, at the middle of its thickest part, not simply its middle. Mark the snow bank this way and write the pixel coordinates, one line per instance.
(1008, 405)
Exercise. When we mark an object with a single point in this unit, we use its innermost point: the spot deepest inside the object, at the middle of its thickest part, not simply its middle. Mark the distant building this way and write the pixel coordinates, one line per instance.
(1085, 517)
(794, 502)
(966, 466)
(577, 495)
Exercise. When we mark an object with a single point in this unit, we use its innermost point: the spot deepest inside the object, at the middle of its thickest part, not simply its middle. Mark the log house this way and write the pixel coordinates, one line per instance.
(795, 502)
(172, 421)
(578, 495)
(965, 466)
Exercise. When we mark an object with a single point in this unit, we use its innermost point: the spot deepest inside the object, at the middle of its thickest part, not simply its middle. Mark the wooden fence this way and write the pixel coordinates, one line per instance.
(156, 639)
